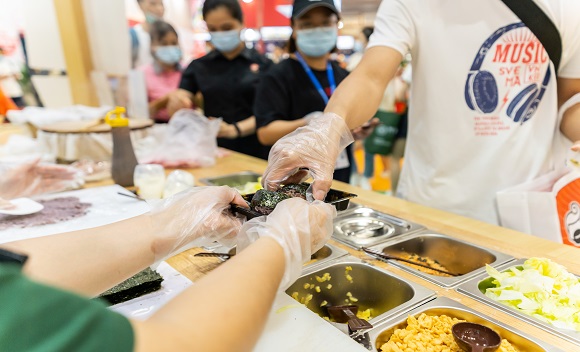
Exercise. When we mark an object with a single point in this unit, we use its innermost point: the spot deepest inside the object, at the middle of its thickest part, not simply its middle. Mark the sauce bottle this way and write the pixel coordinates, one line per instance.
(124, 159)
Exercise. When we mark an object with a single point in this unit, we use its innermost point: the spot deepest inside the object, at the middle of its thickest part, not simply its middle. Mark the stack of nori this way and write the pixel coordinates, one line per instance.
(141, 284)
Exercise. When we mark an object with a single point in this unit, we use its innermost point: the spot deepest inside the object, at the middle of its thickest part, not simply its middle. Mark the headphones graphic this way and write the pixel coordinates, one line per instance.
(481, 91)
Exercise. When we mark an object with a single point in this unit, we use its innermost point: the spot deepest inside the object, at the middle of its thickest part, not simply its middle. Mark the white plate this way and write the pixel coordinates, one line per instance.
(23, 206)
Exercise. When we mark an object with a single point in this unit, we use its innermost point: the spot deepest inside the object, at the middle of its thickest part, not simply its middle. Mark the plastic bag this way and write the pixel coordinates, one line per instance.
(190, 141)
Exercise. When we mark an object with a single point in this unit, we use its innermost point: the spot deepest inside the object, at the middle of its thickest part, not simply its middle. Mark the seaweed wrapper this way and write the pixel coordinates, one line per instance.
(142, 283)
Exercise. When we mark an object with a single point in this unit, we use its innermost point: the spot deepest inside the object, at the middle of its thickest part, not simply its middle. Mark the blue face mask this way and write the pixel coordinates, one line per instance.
(151, 18)
(316, 42)
(226, 41)
(170, 54)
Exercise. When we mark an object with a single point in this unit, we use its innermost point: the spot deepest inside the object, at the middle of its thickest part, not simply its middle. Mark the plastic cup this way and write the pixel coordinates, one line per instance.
(149, 179)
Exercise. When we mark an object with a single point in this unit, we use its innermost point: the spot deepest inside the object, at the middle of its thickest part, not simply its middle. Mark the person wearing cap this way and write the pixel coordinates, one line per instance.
(227, 78)
(484, 103)
(293, 91)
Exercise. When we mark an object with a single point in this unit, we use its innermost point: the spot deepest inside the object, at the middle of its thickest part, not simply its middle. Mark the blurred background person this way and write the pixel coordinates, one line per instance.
(153, 10)
(163, 75)
(10, 73)
(227, 78)
(303, 84)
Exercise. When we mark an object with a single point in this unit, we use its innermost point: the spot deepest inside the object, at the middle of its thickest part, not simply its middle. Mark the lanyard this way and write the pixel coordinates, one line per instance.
(317, 85)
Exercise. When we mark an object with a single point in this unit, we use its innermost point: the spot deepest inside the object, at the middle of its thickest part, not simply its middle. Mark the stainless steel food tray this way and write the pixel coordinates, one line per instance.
(473, 288)
(321, 257)
(232, 180)
(381, 333)
(456, 255)
(350, 227)
(385, 293)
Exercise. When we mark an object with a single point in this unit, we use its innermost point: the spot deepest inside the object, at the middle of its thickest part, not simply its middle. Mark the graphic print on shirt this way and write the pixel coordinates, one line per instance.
(507, 80)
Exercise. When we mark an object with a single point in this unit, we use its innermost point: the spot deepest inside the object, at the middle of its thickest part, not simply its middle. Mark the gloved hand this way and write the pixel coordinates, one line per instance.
(301, 228)
(193, 218)
(314, 147)
(32, 178)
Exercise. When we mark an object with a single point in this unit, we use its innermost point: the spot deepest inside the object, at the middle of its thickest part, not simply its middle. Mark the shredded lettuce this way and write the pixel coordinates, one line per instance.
(540, 288)
(250, 187)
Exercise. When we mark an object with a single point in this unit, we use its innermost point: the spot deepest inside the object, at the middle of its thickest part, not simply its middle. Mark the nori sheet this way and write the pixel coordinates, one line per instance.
(142, 283)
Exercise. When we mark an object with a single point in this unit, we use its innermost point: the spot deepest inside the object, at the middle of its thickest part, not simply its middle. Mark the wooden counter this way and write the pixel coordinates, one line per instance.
(507, 241)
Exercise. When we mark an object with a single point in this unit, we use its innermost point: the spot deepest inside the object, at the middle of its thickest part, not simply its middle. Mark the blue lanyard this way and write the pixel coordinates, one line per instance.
(317, 85)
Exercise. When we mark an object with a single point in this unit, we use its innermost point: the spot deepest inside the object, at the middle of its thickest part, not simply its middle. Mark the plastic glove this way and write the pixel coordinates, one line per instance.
(314, 147)
(32, 178)
(301, 228)
(193, 218)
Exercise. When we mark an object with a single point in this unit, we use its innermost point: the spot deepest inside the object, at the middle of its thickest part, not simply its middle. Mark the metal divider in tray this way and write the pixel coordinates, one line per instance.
(383, 331)
(465, 260)
(476, 287)
(365, 227)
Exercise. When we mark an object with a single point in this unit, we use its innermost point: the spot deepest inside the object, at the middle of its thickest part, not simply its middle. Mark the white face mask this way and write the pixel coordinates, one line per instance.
(316, 42)
(226, 41)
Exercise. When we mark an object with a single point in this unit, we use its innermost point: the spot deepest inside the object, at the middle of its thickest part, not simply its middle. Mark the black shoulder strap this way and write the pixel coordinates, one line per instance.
(541, 25)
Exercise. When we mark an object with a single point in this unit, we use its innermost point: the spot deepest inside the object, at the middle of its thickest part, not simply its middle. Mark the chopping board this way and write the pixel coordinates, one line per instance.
(292, 327)
(106, 207)
(94, 126)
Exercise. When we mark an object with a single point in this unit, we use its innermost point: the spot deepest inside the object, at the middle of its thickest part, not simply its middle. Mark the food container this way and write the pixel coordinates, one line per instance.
(456, 256)
(476, 288)
(339, 199)
(381, 333)
(365, 227)
(384, 293)
(232, 180)
(324, 255)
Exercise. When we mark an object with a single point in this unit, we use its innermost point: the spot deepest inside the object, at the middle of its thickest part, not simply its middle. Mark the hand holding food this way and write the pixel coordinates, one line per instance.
(301, 228)
(312, 149)
(196, 217)
(32, 178)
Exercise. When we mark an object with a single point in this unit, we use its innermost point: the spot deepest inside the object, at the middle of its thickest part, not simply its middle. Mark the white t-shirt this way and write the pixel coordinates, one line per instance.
(144, 56)
(9, 85)
(474, 67)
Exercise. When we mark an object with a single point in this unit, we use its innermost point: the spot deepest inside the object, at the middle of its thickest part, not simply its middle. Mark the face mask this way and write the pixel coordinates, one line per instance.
(170, 54)
(226, 41)
(358, 47)
(316, 42)
(151, 18)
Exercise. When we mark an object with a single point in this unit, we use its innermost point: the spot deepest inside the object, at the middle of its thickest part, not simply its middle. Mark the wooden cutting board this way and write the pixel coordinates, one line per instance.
(93, 126)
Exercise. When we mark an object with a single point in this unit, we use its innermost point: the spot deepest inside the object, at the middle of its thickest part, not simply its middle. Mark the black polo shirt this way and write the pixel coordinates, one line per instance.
(229, 89)
(287, 93)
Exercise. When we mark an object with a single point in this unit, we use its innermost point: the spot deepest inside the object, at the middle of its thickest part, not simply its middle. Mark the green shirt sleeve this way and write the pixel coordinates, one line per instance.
(35, 317)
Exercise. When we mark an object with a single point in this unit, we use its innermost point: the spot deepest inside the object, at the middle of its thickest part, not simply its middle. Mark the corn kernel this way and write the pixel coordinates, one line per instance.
(306, 286)
(308, 299)
(295, 295)
(328, 287)
(317, 289)
(349, 278)
(323, 303)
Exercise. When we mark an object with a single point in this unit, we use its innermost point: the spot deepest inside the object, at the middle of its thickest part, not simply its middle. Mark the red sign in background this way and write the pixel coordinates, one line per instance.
(264, 13)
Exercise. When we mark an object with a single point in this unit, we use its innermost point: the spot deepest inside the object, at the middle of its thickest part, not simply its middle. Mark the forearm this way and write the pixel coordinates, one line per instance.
(159, 103)
(357, 98)
(89, 261)
(248, 126)
(179, 99)
(570, 125)
(271, 133)
(224, 311)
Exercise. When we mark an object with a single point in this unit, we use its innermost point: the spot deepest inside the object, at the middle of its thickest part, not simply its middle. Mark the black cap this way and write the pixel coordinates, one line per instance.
(302, 6)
